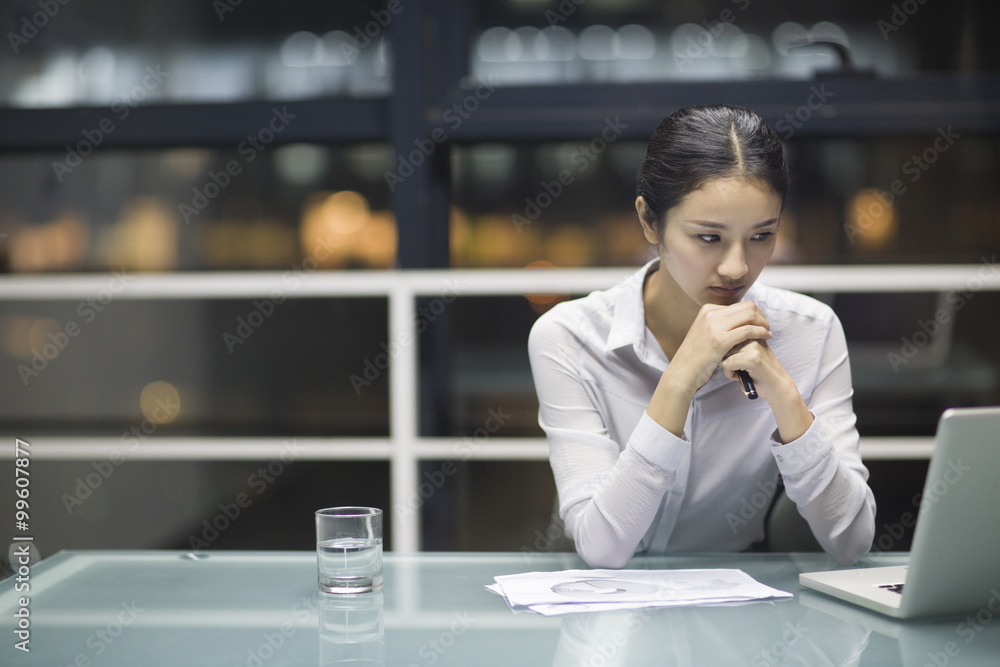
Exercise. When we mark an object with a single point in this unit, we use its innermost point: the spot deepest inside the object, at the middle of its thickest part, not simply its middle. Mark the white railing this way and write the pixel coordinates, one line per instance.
(405, 448)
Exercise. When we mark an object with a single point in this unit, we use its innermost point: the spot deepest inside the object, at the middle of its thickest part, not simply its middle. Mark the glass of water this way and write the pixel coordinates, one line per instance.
(349, 549)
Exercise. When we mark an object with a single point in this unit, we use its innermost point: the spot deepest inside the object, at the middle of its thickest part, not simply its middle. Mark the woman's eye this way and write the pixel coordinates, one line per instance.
(715, 238)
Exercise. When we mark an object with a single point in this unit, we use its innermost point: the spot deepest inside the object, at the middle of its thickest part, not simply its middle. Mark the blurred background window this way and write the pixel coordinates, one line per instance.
(872, 200)
(231, 140)
(198, 209)
(106, 53)
(535, 42)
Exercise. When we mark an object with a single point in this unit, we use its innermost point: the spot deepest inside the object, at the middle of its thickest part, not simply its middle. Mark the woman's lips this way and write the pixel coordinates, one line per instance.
(727, 291)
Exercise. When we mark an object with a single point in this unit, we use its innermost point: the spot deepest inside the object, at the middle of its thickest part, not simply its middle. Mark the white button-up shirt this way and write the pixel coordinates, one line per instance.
(628, 485)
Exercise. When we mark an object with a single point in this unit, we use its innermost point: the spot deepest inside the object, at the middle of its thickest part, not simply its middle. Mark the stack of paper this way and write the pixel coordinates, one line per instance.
(575, 591)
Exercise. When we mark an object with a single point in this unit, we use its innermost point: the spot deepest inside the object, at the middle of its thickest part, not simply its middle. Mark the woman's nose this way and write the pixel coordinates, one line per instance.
(734, 264)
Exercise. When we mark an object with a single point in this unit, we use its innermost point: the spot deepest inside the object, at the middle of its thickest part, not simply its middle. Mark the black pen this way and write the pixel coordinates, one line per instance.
(747, 383)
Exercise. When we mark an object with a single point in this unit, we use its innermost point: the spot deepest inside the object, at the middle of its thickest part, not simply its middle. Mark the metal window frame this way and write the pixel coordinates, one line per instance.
(405, 448)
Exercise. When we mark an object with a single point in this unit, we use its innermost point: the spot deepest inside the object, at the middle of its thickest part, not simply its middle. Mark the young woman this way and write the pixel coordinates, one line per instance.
(653, 443)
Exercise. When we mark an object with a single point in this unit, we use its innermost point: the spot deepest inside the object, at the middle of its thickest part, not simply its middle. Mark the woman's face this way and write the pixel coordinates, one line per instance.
(718, 238)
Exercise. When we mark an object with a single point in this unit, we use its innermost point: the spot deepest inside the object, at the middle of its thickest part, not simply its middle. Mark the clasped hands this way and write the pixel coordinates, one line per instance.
(732, 337)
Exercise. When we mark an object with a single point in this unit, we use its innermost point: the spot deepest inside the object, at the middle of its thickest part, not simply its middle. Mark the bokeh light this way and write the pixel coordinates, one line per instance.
(160, 402)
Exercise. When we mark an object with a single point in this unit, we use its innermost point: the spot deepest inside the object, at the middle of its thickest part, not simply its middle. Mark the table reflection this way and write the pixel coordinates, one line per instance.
(967, 640)
(436, 612)
(780, 633)
(352, 630)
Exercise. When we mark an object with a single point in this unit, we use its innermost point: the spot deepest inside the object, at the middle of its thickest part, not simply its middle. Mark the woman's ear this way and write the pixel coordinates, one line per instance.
(646, 220)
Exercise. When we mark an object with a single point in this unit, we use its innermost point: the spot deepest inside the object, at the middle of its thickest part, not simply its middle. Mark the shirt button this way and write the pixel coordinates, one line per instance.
(780, 458)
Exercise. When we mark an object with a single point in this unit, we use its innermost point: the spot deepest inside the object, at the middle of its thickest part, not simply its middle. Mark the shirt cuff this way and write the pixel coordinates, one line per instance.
(804, 453)
(658, 445)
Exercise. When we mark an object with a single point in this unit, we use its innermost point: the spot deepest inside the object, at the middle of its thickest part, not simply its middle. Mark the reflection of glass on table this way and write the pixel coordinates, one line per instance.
(352, 630)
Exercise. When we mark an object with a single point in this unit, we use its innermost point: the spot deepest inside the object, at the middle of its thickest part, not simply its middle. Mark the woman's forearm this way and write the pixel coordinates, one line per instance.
(790, 412)
(670, 402)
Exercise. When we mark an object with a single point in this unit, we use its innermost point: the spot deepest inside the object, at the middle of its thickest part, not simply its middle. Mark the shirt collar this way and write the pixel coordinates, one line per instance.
(628, 323)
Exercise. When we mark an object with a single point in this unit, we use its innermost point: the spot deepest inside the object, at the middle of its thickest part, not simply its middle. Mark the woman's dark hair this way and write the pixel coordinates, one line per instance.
(695, 145)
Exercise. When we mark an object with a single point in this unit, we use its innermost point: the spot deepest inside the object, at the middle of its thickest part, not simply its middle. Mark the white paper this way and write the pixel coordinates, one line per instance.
(576, 591)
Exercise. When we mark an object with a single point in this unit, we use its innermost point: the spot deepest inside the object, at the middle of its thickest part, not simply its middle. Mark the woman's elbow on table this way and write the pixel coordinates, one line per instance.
(602, 554)
(854, 543)
(607, 560)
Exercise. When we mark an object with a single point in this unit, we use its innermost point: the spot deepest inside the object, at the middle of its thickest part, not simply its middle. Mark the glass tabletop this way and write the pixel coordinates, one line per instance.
(257, 609)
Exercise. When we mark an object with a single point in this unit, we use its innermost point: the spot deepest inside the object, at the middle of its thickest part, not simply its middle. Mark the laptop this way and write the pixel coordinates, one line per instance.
(954, 565)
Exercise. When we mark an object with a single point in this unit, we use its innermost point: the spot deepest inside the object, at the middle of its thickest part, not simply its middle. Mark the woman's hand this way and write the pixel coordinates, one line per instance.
(715, 332)
(773, 384)
(757, 358)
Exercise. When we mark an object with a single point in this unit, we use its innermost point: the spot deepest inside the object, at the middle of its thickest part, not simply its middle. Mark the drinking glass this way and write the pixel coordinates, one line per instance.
(349, 549)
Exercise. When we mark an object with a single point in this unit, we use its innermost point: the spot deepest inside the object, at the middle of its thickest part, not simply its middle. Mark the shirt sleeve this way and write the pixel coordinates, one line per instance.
(822, 470)
(609, 496)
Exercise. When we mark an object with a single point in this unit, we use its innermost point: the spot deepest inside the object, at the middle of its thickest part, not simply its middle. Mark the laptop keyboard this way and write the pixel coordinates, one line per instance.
(895, 588)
